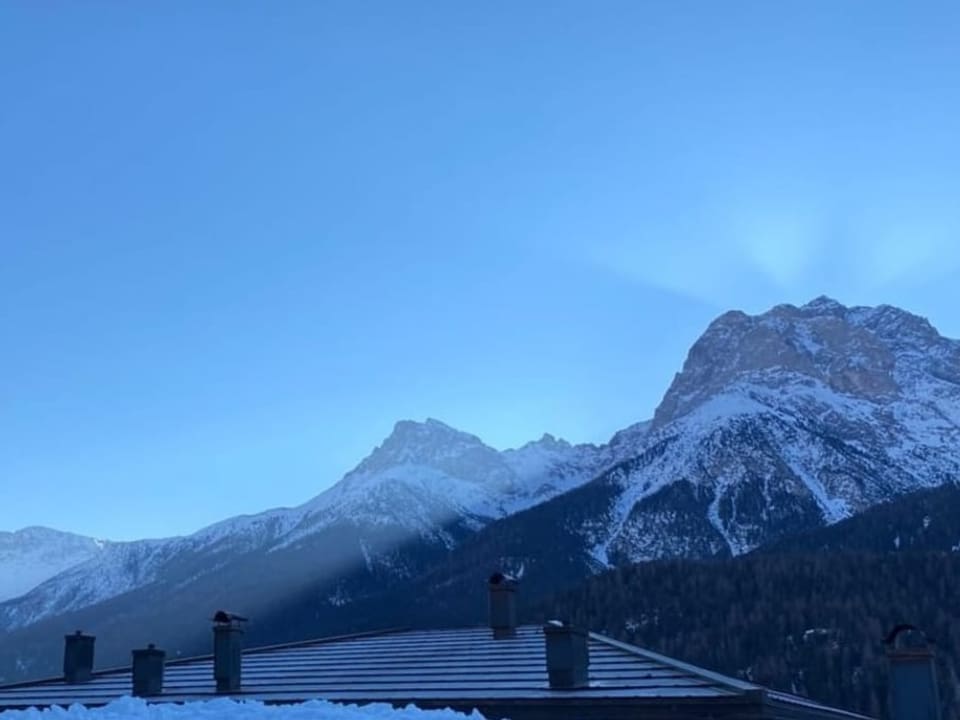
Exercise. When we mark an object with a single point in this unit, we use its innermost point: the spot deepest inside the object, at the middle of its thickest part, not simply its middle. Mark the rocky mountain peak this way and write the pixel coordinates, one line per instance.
(824, 305)
(411, 433)
(547, 442)
(432, 444)
(874, 353)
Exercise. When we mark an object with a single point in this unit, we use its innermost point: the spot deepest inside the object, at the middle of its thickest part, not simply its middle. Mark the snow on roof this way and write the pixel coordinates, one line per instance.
(228, 709)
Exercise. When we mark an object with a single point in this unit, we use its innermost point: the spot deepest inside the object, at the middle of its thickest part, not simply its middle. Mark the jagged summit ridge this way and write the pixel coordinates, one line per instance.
(823, 303)
(447, 474)
(877, 354)
(430, 443)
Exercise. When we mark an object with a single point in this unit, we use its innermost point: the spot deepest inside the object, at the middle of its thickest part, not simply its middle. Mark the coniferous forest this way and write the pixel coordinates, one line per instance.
(805, 615)
(810, 624)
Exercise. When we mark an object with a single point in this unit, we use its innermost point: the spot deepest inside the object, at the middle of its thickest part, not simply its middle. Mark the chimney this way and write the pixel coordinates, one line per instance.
(568, 656)
(503, 605)
(148, 671)
(913, 675)
(227, 651)
(78, 657)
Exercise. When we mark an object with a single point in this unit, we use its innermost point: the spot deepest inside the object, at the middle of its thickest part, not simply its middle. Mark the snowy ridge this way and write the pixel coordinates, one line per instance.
(423, 479)
(119, 567)
(32, 555)
(438, 475)
(549, 467)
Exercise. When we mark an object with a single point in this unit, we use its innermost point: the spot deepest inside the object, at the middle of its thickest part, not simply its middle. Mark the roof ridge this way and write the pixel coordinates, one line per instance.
(782, 696)
(741, 686)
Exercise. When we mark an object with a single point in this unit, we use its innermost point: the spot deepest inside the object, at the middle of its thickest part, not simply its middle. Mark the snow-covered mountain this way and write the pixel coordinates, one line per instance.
(796, 417)
(428, 475)
(426, 483)
(34, 554)
(777, 424)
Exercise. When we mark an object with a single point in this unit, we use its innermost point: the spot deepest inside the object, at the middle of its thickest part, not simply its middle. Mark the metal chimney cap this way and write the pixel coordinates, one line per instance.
(558, 627)
(907, 631)
(223, 617)
(908, 642)
(150, 650)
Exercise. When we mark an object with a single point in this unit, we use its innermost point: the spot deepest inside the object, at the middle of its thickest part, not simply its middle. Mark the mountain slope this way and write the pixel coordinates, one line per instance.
(30, 556)
(926, 521)
(791, 419)
(807, 614)
(778, 424)
(424, 490)
(808, 624)
(427, 482)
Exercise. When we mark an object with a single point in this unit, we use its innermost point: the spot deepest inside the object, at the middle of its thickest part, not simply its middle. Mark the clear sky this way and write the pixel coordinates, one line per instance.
(239, 240)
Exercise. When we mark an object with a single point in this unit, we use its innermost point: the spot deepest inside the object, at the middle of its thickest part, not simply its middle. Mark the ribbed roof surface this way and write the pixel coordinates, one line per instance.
(458, 666)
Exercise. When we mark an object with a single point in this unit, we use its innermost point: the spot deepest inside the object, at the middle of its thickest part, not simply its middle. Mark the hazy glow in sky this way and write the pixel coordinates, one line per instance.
(240, 240)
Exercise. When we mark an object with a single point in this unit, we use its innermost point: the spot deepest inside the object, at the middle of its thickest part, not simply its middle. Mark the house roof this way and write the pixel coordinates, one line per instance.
(462, 668)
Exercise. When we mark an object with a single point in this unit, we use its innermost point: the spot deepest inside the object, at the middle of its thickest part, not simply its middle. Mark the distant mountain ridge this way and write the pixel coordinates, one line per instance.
(416, 496)
(32, 555)
(777, 424)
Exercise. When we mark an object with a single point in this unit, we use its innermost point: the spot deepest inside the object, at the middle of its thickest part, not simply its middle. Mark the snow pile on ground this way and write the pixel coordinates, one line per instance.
(225, 709)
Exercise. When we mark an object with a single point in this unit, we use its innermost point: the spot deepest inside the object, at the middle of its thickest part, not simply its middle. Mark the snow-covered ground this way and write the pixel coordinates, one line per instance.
(226, 709)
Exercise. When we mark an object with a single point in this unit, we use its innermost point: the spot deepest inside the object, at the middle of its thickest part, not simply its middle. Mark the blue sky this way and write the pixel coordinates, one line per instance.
(239, 240)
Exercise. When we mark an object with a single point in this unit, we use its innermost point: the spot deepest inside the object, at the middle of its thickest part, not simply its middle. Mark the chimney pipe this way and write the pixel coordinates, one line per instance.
(78, 657)
(227, 651)
(914, 694)
(148, 671)
(568, 656)
(503, 605)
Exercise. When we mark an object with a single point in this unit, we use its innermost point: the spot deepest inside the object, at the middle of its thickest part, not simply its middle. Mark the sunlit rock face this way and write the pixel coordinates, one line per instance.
(875, 354)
